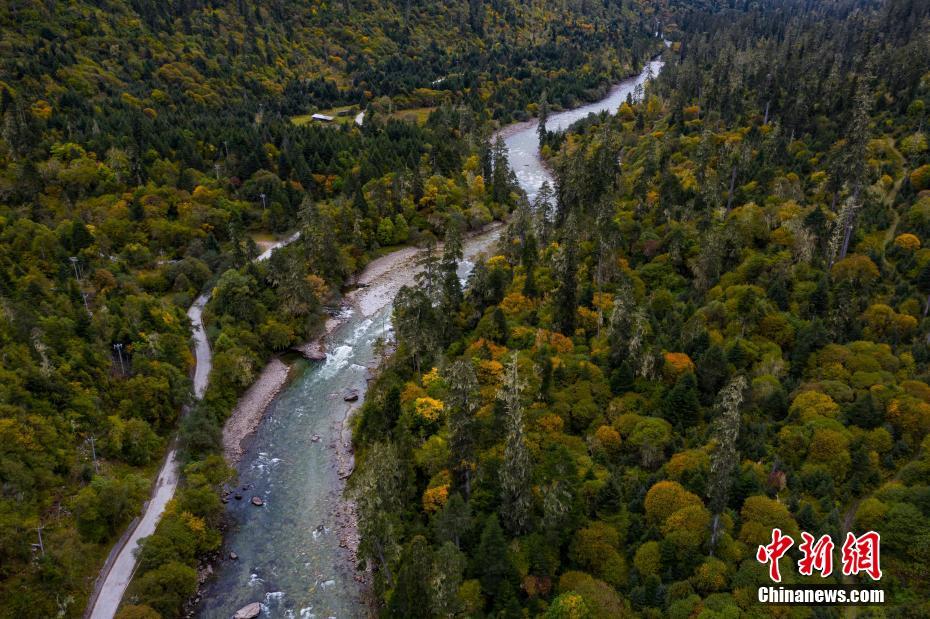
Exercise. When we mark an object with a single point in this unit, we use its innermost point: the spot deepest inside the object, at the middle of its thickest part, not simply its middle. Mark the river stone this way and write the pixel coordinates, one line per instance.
(312, 351)
(205, 573)
(249, 611)
(257, 501)
(233, 556)
(350, 395)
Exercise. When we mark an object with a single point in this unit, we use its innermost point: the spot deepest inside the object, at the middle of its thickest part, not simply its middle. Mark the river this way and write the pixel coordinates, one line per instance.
(120, 566)
(523, 142)
(293, 552)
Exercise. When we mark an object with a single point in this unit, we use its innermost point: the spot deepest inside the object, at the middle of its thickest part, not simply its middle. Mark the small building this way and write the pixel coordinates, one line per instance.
(322, 118)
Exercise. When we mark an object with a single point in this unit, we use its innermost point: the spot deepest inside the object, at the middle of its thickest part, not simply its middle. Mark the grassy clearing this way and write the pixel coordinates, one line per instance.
(342, 115)
(416, 114)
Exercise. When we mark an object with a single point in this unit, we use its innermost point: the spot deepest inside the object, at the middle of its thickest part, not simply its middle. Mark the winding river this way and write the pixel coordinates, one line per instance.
(293, 554)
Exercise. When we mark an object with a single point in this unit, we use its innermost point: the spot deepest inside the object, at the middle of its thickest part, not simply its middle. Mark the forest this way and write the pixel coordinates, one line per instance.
(712, 325)
(147, 150)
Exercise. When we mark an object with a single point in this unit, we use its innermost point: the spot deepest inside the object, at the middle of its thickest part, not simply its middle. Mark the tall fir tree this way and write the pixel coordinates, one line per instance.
(502, 176)
(413, 591)
(445, 580)
(725, 456)
(463, 401)
(450, 285)
(541, 131)
(517, 468)
(565, 301)
(491, 560)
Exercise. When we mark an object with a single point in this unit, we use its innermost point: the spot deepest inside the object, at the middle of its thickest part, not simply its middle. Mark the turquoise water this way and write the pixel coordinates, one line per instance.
(290, 557)
(291, 551)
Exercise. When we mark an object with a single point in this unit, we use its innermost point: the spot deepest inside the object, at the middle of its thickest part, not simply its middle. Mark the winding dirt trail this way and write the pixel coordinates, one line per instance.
(121, 565)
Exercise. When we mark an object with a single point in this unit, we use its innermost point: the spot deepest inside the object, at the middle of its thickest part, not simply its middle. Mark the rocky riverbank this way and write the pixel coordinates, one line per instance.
(376, 287)
(251, 407)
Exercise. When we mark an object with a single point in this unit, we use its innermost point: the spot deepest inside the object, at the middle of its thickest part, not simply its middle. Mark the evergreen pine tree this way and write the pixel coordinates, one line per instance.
(463, 403)
(680, 404)
(413, 591)
(491, 560)
(712, 372)
(808, 339)
(516, 469)
(566, 294)
(452, 521)
(725, 456)
(621, 379)
(501, 176)
(543, 209)
(446, 578)
(378, 497)
(451, 286)
(360, 204)
(501, 330)
(541, 130)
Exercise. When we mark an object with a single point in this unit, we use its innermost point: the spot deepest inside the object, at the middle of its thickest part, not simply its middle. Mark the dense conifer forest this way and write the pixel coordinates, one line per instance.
(147, 149)
(714, 324)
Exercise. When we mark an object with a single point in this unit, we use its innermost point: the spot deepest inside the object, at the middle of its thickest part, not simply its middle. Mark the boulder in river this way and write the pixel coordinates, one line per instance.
(249, 611)
(312, 351)
(257, 501)
(205, 573)
(233, 556)
(350, 395)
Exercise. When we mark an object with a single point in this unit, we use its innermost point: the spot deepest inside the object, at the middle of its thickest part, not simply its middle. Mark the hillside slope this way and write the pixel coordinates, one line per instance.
(714, 325)
(146, 149)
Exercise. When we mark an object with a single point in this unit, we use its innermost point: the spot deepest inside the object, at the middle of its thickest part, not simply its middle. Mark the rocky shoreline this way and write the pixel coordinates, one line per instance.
(251, 408)
(376, 287)
(253, 404)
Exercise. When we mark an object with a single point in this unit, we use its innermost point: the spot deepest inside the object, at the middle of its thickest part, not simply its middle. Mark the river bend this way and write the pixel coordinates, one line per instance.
(294, 553)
